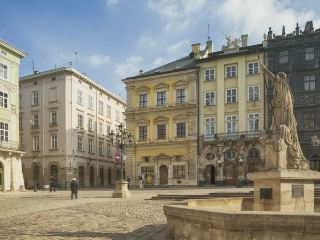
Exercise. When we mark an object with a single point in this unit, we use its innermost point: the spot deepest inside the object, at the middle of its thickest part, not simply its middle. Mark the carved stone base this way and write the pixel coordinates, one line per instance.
(121, 190)
(284, 190)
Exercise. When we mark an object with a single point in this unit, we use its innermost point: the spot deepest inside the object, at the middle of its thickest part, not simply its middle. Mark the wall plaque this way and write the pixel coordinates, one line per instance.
(265, 193)
(297, 191)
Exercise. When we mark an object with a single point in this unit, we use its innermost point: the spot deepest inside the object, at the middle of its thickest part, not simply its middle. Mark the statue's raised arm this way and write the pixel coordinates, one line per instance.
(264, 69)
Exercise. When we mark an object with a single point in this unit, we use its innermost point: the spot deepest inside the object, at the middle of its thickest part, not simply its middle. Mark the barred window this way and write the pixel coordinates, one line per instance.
(181, 130)
(143, 100)
(162, 131)
(161, 98)
(143, 133)
(180, 96)
(179, 171)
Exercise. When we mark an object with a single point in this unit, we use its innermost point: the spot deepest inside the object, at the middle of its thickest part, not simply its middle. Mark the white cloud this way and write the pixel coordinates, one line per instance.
(254, 17)
(146, 41)
(130, 68)
(177, 13)
(97, 60)
(112, 3)
(159, 61)
(178, 46)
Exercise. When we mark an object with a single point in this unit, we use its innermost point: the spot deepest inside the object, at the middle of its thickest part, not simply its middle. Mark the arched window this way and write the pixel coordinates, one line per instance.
(254, 154)
(210, 156)
(315, 163)
(230, 155)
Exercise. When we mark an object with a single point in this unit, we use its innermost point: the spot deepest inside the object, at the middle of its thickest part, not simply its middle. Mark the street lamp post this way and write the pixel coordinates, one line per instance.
(121, 138)
(34, 174)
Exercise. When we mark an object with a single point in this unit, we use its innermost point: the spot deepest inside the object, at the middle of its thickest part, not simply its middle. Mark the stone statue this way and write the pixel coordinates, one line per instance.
(284, 125)
(231, 43)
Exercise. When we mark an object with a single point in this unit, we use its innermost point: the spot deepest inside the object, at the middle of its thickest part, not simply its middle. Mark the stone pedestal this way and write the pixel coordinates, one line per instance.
(121, 190)
(284, 190)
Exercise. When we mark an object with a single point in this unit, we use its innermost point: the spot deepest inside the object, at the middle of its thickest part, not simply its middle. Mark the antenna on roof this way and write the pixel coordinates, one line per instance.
(76, 58)
(208, 32)
(32, 66)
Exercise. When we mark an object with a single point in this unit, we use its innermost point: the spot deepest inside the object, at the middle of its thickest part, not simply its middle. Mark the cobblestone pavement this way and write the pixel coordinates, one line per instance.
(95, 215)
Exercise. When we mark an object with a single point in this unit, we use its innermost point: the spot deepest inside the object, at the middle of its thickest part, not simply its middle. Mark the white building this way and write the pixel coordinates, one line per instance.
(11, 177)
(65, 123)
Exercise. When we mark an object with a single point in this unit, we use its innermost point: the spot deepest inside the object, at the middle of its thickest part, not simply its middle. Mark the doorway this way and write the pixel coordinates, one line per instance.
(210, 174)
(91, 176)
(53, 172)
(1, 177)
(81, 176)
(163, 175)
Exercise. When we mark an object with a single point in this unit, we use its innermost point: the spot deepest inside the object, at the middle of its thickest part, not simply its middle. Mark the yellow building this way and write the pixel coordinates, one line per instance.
(11, 177)
(162, 115)
(231, 112)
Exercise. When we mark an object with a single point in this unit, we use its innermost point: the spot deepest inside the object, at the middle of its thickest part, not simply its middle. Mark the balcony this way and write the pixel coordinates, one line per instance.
(11, 145)
(219, 137)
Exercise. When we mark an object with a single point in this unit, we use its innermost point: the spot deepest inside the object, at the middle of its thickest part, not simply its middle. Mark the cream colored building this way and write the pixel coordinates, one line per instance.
(65, 123)
(11, 177)
(162, 115)
(231, 112)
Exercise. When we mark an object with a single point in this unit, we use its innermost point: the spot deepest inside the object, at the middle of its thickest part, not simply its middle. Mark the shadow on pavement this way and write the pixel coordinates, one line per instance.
(148, 232)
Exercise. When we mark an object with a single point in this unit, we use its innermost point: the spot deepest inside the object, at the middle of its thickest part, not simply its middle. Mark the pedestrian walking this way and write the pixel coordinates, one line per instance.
(74, 188)
(52, 184)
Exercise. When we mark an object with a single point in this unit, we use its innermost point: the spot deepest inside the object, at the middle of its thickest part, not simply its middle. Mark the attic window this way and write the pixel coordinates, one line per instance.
(3, 52)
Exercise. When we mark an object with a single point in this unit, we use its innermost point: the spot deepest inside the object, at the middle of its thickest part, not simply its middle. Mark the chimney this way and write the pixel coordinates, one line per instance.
(209, 46)
(309, 27)
(244, 40)
(195, 48)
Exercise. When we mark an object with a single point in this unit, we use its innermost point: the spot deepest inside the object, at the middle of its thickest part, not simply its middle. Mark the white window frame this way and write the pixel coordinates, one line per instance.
(54, 118)
(232, 120)
(35, 143)
(212, 100)
(255, 96)
(4, 132)
(232, 73)
(143, 100)
(108, 111)
(91, 145)
(100, 127)
(80, 98)
(161, 103)
(231, 96)
(35, 98)
(253, 68)
(100, 107)
(210, 126)
(53, 142)
(80, 120)
(253, 119)
(80, 142)
(4, 73)
(90, 102)
(90, 124)
(182, 98)
(109, 151)
(100, 148)
(209, 74)
(35, 120)
(4, 99)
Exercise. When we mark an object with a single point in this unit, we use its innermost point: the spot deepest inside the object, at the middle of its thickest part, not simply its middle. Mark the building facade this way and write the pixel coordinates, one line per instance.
(162, 115)
(231, 112)
(298, 55)
(11, 177)
(66, 119)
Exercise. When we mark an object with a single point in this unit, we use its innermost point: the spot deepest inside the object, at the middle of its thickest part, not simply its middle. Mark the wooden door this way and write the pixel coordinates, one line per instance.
(163, 175)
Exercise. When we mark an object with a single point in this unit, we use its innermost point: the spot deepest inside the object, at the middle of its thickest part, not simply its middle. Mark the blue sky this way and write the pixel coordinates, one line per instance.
(113, 39)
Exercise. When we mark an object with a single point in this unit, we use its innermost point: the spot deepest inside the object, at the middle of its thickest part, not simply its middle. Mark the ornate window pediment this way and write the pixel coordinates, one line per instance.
(161, 86)
(180, 83)
(179, 117)
(162, 156)
(161, 119)
(143, 89)
(142, 120)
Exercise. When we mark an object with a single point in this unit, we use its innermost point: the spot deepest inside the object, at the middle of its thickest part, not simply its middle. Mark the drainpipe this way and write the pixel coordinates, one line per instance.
(43, 180)
(198, 122)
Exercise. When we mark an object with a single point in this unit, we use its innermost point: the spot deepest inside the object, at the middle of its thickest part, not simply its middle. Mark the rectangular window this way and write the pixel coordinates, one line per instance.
(91, 145)
(231, 95)
(309, 54)
(210, 98)
(90, 124)
(147, 171)
(231, 125)
(209, 74)
(79, 100)
(253, 68)
(3, 71)
(100, 109)
(35, 98)
(100, 148)
(117, 115)
(53, 119)
(20, 120)
(100, 128)
(309, 82)
(35, 143)
(162, 131)
(253, 122)
(3, 99)
(4, 132)
(35, 121)
(108, 130)
(143, 100)
(108, 111)
(80, 120)
(179, 171)
(80, 143)
(308, 120)
(53, 94)
(161, 98)
(253, 93)
(90, 102)
(109, 150)
(181, 130)
(230, 71)
(53, 142)
(283, 57)
(210, 126)
(180, 96)
(143, 133)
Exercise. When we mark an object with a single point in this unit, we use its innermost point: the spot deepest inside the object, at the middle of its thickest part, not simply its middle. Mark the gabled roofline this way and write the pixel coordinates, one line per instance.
(10, 47)
(76, 73)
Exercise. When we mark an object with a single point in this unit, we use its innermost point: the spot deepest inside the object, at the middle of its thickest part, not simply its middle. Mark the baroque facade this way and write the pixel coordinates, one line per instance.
(298, 55)
(11, 177)
(65, 121)
(162, 115)
(231, 112)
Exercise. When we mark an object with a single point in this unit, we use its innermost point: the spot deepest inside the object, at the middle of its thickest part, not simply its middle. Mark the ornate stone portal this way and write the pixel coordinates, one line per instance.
(285, 183)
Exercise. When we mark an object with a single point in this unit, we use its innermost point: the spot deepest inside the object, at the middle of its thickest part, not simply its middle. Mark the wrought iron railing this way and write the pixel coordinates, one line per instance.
(11, 145)
(232, 136)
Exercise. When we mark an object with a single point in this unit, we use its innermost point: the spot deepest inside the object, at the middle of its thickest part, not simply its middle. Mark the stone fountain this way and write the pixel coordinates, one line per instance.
(283, 206)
